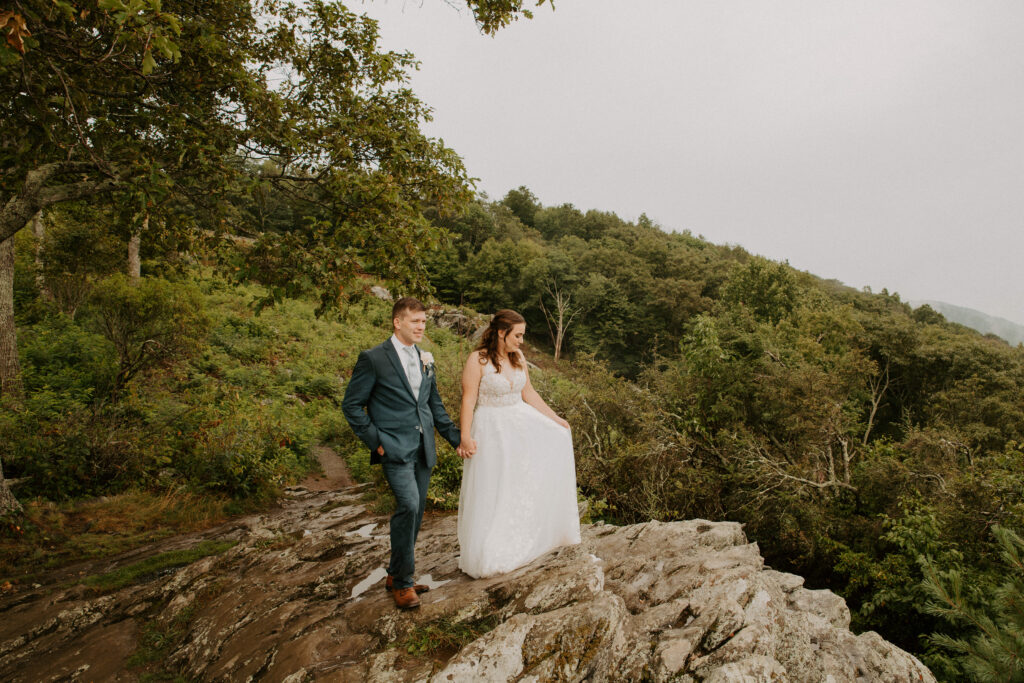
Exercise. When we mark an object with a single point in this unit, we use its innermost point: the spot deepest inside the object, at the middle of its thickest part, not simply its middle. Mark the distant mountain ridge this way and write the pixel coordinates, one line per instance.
(982, 322)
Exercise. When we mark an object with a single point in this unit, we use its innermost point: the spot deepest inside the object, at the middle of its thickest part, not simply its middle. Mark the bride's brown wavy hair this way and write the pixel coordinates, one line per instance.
(501, 324)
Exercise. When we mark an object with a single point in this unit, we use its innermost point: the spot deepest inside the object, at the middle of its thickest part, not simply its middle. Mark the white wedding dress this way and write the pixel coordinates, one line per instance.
(518, 497)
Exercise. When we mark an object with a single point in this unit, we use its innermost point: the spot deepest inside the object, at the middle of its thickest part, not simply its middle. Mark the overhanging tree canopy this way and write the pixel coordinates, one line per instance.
(164, 104)
(154, 98)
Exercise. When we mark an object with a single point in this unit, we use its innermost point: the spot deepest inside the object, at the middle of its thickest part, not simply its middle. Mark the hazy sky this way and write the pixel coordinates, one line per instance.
(878, 142)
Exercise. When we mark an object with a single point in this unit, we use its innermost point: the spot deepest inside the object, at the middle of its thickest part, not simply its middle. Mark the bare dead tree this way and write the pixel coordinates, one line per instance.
(878, 385)
(831, 472)
(593, 434)
(560, 318)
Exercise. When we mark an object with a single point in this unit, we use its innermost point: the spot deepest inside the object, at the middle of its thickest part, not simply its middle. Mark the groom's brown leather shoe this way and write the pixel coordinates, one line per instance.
(405, 598)
(419, 587)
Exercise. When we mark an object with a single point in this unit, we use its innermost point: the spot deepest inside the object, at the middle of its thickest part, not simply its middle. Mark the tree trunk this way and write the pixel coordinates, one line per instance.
(39, 230)
(134, 242)
(11, 388)
(878, 386)
(559, 333)
(8, 503)
(559, 321)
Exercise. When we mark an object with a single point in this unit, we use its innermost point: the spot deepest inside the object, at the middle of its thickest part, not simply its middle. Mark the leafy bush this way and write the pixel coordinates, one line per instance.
(150, 322)
(78, 249)
(67, 449)
(218, 423)
(246, 339)
(446, 479)
(319, 386)
(60, 356)
(240, 456)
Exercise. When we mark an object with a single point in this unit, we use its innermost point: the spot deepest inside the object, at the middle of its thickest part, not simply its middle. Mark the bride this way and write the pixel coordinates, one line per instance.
(518, 497)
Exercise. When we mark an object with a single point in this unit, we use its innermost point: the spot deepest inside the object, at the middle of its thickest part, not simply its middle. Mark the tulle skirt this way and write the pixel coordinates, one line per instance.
(518, 497)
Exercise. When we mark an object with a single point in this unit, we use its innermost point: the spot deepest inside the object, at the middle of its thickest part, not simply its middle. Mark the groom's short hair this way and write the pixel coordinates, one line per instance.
(406, 303)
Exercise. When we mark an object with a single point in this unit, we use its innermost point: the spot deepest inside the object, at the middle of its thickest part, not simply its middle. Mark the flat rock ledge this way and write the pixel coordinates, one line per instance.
(300, 597)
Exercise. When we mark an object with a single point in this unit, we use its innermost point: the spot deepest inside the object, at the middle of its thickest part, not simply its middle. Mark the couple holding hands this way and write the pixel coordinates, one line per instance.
(518, 497)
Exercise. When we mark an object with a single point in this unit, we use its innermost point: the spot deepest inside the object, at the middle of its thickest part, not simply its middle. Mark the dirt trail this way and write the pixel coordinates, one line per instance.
(334, 477)
(335, 473)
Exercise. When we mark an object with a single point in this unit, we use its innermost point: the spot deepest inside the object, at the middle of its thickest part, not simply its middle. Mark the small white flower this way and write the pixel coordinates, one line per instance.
(427, 357)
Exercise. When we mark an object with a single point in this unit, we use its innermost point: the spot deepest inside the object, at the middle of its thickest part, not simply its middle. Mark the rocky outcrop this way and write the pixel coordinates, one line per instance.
(300, 597)
(459, 321)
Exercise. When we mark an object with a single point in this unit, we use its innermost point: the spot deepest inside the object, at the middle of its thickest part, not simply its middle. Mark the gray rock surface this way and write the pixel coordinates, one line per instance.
(298, 599)
(458, 321)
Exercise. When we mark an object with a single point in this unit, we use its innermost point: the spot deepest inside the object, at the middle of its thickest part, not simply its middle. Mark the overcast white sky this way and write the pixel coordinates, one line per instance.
(878, 142)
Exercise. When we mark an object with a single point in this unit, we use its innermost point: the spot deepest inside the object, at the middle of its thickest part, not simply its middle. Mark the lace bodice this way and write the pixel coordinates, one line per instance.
(505, 389)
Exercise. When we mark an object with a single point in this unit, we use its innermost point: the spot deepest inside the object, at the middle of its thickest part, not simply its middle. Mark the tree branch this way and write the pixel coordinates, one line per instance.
(19, 209)
(757, 456)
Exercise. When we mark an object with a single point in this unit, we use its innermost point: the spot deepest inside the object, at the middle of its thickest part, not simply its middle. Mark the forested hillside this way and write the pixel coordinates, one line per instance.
(865, 444)
(179, 313)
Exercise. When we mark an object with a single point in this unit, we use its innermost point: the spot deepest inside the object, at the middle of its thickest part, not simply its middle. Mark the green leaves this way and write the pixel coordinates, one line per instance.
(176, 102)
(148, 323)
(766, 288)
(493, 15)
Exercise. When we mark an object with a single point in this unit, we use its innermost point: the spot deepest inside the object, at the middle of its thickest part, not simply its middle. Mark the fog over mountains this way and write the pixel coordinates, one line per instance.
(982, 322)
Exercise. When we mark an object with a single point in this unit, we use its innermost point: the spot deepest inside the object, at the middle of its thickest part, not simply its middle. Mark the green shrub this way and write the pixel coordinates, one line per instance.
(319, 386)
(149, 322)
(257, 380)
(68, 450)
(246, 339)
(246, 453)
(446, 479)
(57, 354)
(332, 426)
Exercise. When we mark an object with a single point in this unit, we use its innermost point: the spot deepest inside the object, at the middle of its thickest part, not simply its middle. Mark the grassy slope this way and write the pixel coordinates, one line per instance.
(279, 374)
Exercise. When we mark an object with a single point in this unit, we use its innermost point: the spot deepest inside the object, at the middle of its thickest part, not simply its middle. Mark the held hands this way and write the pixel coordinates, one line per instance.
(466, 448)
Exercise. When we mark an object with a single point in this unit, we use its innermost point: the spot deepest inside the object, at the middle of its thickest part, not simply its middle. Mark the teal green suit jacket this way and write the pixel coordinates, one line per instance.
(382, 411)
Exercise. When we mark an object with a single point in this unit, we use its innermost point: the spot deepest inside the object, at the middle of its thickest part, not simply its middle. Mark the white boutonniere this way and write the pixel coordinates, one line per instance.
(427, 358)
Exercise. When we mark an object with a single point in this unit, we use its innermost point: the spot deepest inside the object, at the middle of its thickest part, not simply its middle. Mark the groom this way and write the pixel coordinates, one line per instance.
(393, 406)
